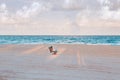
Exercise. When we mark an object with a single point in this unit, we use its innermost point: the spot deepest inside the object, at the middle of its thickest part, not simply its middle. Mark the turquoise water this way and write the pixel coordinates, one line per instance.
(101, 40)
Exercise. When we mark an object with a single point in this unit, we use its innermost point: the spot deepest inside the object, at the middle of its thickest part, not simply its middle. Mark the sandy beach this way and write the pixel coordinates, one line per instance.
(72, 62)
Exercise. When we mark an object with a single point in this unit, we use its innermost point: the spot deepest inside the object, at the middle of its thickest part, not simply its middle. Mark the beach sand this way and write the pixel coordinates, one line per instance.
(72, 62)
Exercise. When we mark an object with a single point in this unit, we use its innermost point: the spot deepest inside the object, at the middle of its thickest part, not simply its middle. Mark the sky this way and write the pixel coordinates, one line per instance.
(59, 17)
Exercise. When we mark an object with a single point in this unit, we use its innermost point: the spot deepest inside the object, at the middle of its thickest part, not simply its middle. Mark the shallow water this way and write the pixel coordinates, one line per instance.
(101, 40)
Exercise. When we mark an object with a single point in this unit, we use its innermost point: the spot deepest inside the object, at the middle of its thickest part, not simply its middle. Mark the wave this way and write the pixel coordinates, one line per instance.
(88, 40)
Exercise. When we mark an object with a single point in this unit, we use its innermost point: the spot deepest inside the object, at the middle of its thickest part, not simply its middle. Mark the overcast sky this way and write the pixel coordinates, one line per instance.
(60, 17)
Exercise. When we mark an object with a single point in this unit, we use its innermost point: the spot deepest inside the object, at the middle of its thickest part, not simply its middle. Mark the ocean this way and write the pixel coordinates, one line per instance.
(50, 39)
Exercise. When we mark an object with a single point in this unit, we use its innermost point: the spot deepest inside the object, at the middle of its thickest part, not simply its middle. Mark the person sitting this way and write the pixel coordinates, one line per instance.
(54, 52)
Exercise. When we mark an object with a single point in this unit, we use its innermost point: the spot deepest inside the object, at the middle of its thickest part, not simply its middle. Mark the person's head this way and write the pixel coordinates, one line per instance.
(51, 47)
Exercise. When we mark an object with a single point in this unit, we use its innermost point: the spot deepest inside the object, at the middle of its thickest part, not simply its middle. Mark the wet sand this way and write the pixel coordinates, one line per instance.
(72, 62)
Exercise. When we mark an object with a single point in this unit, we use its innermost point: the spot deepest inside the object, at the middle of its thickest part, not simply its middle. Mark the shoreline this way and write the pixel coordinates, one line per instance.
(62, 44)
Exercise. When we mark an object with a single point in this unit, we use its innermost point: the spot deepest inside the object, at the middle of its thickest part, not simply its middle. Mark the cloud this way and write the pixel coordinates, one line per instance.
(26, 12)
(23, 15)
(110, 14)
(61, 16)
(104, 16)
(114, 4)
(33, 10)
(3, 12)
(3, 6)
(72, 4)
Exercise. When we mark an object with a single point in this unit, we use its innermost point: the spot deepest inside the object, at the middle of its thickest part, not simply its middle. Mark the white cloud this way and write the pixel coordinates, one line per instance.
(3, 12)
(33, 10)
(72, 4)
(25, 14)
(62, 16)
(3, 6)
(29, 12)
(111, 15)
(101, 17)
